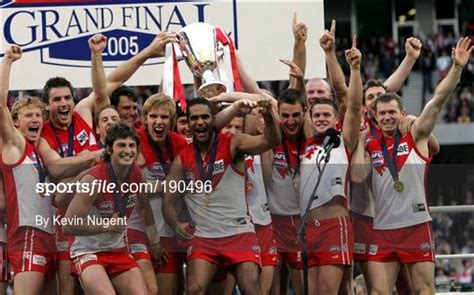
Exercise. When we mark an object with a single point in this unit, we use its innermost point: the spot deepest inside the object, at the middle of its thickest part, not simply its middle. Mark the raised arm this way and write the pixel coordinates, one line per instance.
(171, 197)
(360, 161)
(126, 69)
(413, 49)
(13, 142)
(296, 78)
(300, 33)
(79, 209)
(328, 44)
(99, 96)
(226, 115)
(425, 123)
(352, 116)
(255, 145)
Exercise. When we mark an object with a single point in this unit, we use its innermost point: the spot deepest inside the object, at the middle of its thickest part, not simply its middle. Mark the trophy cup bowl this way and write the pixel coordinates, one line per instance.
(198, 44)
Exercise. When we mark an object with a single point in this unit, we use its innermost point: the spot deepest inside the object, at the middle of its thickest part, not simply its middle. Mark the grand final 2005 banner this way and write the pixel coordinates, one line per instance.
(53, 35)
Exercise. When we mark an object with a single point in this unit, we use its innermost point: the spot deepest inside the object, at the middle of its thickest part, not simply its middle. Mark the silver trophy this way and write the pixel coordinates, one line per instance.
(199, 46)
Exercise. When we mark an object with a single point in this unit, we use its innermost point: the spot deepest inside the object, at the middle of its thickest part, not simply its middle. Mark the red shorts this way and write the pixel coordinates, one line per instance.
(176, 256)
(405, 245)
(138, 244)
(31, 249)
(113, 262)
(63, 242)
(226, 251)
(285, 229)
(267, 244)
(329, 241)
(363, 228)
(4, 266)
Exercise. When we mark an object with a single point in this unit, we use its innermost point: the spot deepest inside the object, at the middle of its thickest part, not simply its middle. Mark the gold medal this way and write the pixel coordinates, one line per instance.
(398, 186)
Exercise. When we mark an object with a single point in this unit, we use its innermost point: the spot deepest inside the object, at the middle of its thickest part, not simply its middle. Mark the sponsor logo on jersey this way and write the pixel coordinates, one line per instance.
(131, 200)
(136, 248)
(420, 207)
(272, 250)
(82, 137)
(256, 248)
(360, 248)
(39, 260)
(334, 249)
(86, 258)
(425, 246)
(373, 249)
(336, 181)
(218, 167)
(239, 221)
(403, 149)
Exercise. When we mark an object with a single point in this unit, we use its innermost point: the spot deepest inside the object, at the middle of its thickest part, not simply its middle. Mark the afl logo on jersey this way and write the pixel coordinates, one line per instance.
(106, 208)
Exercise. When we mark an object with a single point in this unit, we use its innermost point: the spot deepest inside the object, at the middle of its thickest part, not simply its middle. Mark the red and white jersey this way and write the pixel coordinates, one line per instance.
(24, 206)
(84, 138)
(362, 196)
(104, 207)
(283, 193)
(153, 170)
(334, 181)
(256, 193)
(223, 212)
(409, 207)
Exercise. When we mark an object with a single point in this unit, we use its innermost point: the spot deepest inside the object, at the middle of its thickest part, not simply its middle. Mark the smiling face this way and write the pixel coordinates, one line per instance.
(182, 127)
(317, 88)
(388, 115)
(235, 126)
(128, 110)
(60, 106)
(291, 117)
(30, 122)
(323, 117)
(158, 123)
(371, 95)
(201, 123)
(123, 151)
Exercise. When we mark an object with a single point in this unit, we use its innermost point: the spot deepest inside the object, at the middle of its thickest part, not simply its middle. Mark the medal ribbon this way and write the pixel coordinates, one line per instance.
(198, 158)
(121, 201)
(159, 152)
(391, 162)
(41, 170)
(70, 143)
(287, 156)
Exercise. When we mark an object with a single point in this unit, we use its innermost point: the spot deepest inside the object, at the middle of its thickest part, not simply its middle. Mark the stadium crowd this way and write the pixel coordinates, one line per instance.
(259, 154)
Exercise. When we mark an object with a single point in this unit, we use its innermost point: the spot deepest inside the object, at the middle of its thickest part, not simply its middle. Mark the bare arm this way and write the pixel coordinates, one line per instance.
(59, 167)
(64, 199)
(300, 33)
(99, 96)
(296, 78)
(328, 44)
(169, 202)
(255, 145)
(225, 116)
(79, 209)
(146, 214)
(360, 162)
(125, 70)
(425, 123)
(13, 142)
(352, 117)
(413, 49)
(248, 82)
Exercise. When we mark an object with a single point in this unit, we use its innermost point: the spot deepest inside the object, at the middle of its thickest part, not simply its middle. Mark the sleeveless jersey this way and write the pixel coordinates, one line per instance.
(362, 196)
(104, 207)
(24, 205)
(84, 138)
(223, 212)
(152, 170)
(409, 207)
(283, 194)
(334, 180)
(256, 192)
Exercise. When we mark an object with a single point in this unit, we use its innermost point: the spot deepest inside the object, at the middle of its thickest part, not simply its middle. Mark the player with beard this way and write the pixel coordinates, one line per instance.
(402, 225)
(328, 229)
(102, 260)
(224, 234)
(26, 158)
(160, 145)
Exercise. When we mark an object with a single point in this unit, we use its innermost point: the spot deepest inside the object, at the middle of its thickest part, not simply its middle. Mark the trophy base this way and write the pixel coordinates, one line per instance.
(212, 89)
